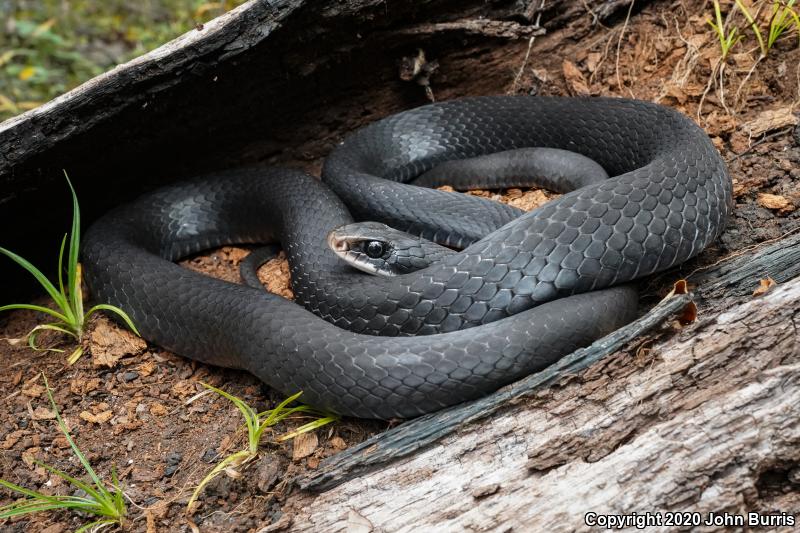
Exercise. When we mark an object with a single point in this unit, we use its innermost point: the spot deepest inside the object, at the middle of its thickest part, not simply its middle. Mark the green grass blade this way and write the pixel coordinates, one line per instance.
(54, 327)
(272, 418)
(74, 356)
(114, 309)
(97, 525)
(34, 334)
(96, 496)
(305, 428)
(38, 308)
(239, 458)
(61, 266)
(779, 22)
(73, 274)
(119, 500)
(796, 19)
(30, 507)
(250, 415)
(36, 273)
(751, 20)
(27, 492)
(63, 427)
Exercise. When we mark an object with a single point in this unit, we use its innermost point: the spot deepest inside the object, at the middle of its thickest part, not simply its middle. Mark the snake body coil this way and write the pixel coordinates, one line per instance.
(518, 278)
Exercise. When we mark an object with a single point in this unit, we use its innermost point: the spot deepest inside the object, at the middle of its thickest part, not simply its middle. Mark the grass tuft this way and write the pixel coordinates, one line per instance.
(104, 503)
(256, 423)
(782, 20)
(727, 39)
(70, 316)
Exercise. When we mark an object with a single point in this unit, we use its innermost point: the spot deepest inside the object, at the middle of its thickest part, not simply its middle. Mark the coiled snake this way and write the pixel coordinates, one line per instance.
(530, 284)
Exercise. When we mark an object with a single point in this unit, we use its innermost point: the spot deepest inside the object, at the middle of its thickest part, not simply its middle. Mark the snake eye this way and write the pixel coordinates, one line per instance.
(374, 249)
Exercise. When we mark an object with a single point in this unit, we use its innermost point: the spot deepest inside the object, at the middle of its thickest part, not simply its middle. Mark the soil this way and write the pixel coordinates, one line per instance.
(135, 408)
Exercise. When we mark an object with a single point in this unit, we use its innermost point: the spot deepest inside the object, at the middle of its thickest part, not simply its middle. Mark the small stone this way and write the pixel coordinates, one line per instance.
(129, 376)
(210, 455)
(173, 458)
(267, 473)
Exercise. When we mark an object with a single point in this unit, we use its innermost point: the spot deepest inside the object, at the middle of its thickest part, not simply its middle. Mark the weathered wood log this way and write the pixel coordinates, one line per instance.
(779, 260)
(708, 421)
(271, 81)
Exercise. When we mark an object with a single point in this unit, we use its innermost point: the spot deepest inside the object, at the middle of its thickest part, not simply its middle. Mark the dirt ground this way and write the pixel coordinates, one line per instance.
(128, 402)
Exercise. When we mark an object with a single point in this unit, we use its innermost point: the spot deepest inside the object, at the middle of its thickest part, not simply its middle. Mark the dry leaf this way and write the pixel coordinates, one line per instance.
(689, 312)
(764, 286)
(593, 60)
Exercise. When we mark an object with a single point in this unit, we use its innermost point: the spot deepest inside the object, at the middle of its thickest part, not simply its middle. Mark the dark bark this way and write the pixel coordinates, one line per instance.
(277, 81)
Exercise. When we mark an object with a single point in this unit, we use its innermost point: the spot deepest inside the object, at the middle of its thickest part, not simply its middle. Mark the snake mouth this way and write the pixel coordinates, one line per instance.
(337, 243)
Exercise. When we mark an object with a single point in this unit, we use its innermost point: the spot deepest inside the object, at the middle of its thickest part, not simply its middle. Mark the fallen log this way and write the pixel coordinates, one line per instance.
(277, 81)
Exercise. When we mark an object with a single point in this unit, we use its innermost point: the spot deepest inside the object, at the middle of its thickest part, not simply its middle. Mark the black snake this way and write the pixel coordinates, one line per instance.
(531, 283)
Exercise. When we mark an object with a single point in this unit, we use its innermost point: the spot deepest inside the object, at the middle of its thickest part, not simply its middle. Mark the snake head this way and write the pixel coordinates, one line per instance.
(381, 250)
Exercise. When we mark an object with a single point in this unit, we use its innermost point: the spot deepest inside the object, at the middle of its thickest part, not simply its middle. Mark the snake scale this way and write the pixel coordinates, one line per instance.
(525, 290)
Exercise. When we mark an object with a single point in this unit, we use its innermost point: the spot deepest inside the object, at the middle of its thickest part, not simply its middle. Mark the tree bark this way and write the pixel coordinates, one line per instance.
(275, 81)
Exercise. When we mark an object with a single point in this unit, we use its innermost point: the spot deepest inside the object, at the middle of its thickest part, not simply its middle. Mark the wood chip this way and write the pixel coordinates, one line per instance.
(338, 443)
(99, 418)
(774, 201)
(84, 385)
(764, 286)
(109, 343)
(146, 368)
(357, 523)
(33, 390)
(304, 445)
(43, 413)
(157, 409)
(770, 120)
(488, 490)
(11, 439)
(574, 78)
(29, 455)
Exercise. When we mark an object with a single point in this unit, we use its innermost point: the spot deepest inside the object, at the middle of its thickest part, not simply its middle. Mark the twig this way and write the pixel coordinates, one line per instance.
(762, 140)
(488, 28)
(619, 45)
(515, 83)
